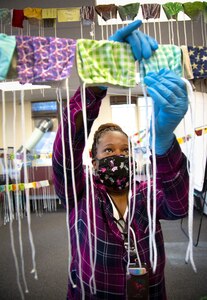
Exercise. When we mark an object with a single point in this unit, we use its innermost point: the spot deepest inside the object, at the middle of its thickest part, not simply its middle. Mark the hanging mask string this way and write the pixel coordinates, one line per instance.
(178, 32)
(102, 31)
(154, 168)
(8, 196)
(154, 202)
(189, 252)
(184, 29)
(17, 198)
(155, 31)
(134, 181)
(59, 99)
(160, 32)
(74, 188)
(148, 177)
(94, 228)
(34, 270)
(92, 265)
(131, 196)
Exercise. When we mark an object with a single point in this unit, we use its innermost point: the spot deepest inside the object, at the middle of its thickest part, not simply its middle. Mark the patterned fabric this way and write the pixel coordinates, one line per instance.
(205, 11)
(5, 15)
(129, 11)
(187, 67)
(150, 11)
(198, 59)
(194, 9)
(107, 12)
(35, 13)
(7, 47)
(101, 62)
(68, 14)
(87, 14)
(18, 18)
(166, 56)
(172, 9)
(172, 204)
(43, 59)
(113, 171)
(49, 13)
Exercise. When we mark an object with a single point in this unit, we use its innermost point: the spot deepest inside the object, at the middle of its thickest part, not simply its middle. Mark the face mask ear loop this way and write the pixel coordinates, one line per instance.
(133, 198)
(8, 196)
(148, 178)
(17, 197)
(27, 190)
(154, 168)
(189, 252)
(94, 228)
(130, 217)
(74, 186)
(59, 98)
(129, 194)
(134, 180)
(92, 279)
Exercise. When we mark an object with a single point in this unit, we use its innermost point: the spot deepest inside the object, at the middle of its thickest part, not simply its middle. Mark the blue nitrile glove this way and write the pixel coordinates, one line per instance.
(141, 44)
(170, 98)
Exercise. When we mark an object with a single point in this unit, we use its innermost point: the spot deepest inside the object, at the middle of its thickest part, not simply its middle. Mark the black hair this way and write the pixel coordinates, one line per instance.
(102, 130)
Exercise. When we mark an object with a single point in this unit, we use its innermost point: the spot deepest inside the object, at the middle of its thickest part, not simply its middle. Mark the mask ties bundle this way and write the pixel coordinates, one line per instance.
(88, 171)
(191, 168)
(59, 97)
(131, 198)
(151, 216)
(9, 198)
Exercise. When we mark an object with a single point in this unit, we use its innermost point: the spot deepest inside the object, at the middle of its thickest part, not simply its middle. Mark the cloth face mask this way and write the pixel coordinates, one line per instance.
(113, 171)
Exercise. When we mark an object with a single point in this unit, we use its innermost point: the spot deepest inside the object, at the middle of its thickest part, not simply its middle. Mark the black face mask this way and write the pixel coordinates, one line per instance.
(113, 172)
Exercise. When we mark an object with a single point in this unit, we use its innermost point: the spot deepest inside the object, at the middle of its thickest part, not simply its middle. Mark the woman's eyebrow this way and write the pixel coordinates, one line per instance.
(111, 144)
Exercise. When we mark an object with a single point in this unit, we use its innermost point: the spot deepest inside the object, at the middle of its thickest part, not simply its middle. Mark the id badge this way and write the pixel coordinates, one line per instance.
(137, 282)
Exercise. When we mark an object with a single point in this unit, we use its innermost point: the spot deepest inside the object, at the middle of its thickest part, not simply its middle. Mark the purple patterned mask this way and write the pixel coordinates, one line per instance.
(113, 171)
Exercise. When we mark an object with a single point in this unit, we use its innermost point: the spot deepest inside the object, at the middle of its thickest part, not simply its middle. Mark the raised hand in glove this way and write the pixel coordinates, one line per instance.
(141, 44)
(170, 98)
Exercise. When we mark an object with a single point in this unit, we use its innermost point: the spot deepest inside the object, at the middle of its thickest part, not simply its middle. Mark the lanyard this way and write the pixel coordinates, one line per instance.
(123, 227)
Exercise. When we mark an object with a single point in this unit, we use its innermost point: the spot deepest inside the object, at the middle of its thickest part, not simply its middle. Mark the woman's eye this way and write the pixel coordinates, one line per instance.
(126, 150)
(108, 150)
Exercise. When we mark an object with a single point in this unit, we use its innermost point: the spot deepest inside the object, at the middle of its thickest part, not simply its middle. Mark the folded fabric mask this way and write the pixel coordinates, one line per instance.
(166, 56)
(102, 62)
(107, 12)
(150, 11)
(198, 59)
(43, 59)
(129, 11)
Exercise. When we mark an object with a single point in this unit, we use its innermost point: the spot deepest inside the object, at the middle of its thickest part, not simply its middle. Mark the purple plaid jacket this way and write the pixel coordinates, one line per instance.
(172, 204)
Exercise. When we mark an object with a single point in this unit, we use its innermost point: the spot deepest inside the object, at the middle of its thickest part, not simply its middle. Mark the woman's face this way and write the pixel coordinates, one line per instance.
(111, 143)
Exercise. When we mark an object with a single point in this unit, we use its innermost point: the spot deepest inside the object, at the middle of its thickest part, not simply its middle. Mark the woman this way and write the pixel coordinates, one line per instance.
(110, 147)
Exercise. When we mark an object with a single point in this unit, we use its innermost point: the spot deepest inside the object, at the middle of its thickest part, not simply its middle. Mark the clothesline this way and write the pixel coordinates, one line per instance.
(86, 14)
(23, 186)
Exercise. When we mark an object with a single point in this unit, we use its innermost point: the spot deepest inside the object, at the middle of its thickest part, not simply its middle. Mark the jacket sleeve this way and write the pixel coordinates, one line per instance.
(78, 142)
(172, 184)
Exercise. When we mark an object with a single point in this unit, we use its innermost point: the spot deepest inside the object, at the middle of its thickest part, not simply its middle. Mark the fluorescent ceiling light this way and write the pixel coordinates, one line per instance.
(9, 86)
